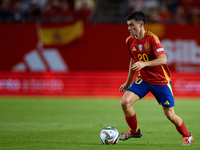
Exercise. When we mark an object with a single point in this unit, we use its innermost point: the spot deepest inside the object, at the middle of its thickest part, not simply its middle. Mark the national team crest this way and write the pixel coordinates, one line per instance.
(147, 47)
(140, 47)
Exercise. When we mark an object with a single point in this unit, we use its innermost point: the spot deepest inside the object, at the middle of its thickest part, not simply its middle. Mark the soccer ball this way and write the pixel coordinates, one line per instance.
(109, 135)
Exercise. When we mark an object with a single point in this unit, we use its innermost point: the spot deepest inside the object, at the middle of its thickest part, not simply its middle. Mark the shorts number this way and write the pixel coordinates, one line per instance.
(143, 57)
(138, 80)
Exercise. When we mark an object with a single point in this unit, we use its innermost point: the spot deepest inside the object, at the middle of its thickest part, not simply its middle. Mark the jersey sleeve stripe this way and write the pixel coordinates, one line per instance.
(154, 36)
(128, 38)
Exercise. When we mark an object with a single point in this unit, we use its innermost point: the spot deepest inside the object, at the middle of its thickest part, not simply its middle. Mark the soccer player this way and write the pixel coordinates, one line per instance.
(149, 60)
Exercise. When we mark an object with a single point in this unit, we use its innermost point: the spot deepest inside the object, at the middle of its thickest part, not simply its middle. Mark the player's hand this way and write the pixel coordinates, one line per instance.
(137, 66)
(123, 87)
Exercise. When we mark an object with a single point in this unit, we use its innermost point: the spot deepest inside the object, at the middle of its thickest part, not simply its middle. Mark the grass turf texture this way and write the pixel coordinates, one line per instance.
(75, 124)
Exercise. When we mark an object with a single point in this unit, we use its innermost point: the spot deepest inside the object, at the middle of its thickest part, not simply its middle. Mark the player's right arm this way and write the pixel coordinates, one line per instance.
(129, 79)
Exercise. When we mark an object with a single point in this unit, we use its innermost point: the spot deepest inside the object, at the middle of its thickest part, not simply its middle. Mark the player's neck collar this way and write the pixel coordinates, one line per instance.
(144, 35)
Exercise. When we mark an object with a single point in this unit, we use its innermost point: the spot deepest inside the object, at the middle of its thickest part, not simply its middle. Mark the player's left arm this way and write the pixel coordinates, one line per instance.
(160, 60)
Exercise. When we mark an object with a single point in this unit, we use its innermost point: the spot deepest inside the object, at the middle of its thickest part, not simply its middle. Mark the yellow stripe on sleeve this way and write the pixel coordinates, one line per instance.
(154, 36)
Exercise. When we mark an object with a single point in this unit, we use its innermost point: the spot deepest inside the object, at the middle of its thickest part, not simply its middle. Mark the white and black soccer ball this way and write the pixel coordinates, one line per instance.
(109, 135)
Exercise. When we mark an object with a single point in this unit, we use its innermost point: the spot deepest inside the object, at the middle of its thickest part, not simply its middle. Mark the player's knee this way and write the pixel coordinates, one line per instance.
(125, 103)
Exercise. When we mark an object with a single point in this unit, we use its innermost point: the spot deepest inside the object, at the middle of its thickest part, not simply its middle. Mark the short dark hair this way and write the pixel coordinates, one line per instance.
(137, 16)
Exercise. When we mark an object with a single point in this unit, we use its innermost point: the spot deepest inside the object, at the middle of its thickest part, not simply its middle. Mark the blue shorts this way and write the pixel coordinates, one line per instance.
(163, 94)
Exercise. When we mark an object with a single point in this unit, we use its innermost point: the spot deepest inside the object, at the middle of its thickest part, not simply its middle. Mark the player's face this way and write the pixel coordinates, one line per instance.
(134, 27)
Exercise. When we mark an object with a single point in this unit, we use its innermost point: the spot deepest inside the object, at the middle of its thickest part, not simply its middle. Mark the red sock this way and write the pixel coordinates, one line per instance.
(132, 123)
(183, 130)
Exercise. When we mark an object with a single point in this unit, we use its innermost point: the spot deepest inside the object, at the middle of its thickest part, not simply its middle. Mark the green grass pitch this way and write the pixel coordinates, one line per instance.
(75, 124)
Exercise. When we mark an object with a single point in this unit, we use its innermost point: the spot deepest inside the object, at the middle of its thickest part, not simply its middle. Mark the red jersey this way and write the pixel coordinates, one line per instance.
(148, 49)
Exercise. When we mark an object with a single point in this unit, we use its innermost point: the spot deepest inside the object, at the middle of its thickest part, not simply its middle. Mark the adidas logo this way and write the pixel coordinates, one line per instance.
(167, 103)
(134, 49)
(42, 60)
